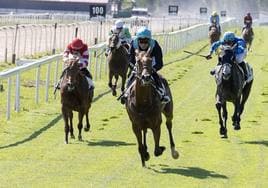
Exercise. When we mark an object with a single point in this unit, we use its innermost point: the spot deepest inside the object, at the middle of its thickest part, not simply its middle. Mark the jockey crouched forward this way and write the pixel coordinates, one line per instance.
(143, 41)
(240, 50)
(78, 49)
(123, 33)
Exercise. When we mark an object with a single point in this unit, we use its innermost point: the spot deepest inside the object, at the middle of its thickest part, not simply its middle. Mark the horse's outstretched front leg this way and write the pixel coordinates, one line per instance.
(147, 155)
(223, 130)
(110, 80)
(80, 125)
(174, 153)
(141, 148)
(158, 150)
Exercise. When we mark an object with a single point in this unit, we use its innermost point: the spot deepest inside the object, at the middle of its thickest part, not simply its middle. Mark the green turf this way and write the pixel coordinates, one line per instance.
(33, 153)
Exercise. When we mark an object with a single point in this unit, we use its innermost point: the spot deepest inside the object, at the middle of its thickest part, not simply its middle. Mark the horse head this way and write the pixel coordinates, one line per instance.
(144, 66)
(114, 41)
(72, 72)
(226, 59)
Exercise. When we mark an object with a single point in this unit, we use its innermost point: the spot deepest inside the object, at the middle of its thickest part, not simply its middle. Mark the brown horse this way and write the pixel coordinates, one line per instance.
(118, 63)
(144, 108)
(247, 35)
(75, 96)
(213, 34)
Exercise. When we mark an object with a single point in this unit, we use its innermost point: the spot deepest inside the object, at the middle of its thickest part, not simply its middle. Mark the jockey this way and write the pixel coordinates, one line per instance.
(143, 41)
(240, 50)
(78, 49)
(123, 33)
(247, 21)
(215, 20)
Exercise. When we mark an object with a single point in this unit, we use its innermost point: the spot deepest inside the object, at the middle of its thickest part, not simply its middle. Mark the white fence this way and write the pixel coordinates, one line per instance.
(28, 40)
(169, 42)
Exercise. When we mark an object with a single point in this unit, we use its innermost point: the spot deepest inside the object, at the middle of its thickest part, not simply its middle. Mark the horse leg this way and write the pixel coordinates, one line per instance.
(87, 121)
(147, 155)
(115, 84)
(245, 95)
(236, 116)
(111, 85)
(66, 125)
(123, 83)
(174, 153)
(158, 150)
(225, 117)
(80, 125)
(141, 148)
(71, 125)
(223, 130)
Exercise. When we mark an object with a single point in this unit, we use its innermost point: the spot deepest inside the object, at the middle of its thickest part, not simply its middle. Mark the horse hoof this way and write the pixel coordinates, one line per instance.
(237, 127)
(147, 156)
(80, 138)
(86, 129)
(224, 136)
(66, 142)
(72, 137)
(175, 154)
(114, 93)
(223, 131)
(159, 151)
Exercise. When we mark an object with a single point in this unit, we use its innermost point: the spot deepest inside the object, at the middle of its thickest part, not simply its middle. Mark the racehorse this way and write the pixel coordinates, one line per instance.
(118, 63)
(144, 108)
(247, 35)
(230, 81)
(75, 96)
(213, 34)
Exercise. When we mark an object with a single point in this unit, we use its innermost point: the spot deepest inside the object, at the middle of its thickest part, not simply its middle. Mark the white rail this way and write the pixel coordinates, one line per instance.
(169, 41)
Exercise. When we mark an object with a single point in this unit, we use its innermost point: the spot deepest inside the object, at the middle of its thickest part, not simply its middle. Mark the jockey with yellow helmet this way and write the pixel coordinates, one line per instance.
(143, 41)
(215, 20)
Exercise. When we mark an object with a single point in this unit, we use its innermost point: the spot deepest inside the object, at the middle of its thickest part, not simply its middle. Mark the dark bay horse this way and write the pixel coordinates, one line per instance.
(75, 96)
(230, 82)
(118, 63)
(213, 34)
(144, 108)
(247, 35)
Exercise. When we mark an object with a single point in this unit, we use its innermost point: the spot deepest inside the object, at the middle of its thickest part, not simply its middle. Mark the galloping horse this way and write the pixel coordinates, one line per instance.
(75, 96)
(118, 63)
(213, 34)
(144, 108)
(247, 35)
(230, 81)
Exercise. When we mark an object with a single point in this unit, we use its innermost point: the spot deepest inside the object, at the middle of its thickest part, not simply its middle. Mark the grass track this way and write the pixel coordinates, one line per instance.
(33, 153)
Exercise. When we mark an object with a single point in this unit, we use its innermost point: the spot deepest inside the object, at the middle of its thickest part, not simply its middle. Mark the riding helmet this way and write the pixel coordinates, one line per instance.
(77, 44)
(228, 36)
(144, 32)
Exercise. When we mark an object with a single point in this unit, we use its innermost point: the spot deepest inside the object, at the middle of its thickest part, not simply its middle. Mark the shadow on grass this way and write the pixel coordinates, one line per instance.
(259, 142)
(109, 143)
(35, 134)
(194, 172)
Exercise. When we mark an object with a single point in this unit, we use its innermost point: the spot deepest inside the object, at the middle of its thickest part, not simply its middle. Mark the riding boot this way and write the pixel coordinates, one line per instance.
(161, 90)
(57, 86)
(244, 67)
(123, 97)
(107, 52)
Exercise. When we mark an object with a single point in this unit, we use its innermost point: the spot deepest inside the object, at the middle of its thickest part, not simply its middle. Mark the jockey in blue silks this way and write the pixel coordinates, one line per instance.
(143, 41)
(240, 50)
